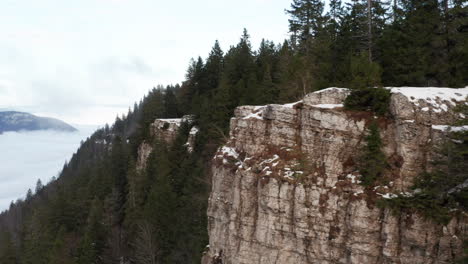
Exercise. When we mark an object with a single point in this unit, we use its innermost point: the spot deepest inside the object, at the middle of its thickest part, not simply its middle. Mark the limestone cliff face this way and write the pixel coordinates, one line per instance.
(285, 188)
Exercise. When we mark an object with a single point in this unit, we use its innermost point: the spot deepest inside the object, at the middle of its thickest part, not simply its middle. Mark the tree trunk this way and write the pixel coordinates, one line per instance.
(369, 22)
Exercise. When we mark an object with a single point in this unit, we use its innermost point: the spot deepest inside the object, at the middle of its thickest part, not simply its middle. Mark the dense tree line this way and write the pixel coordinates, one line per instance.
(101, 209)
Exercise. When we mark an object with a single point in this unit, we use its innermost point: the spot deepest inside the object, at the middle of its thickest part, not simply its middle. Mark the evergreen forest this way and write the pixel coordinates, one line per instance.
(101, 209)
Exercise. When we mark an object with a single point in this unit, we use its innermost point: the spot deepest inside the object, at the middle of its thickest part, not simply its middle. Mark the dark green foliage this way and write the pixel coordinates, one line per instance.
(376, 100)
(372, 162)
(419, 47)
(93, 242)
(213, 68)
(425, 204)
(306, 20)
(171, 108)
(161, 205)
(7, 249)
(364, 74)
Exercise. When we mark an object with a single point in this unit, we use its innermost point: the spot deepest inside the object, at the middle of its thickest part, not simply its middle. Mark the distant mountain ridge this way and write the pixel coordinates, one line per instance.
(21, 121)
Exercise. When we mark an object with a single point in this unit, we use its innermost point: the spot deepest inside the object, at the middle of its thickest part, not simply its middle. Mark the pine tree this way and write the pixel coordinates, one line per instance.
(37, 240)
(289, 89)
(267, 60)
(334, 29)
(416, 58)
(372, 162)
(171, 108)
(59, 254)
(93, 242)
(456, 28)
(214, 67)
(152, 108)
(160, 208)
(239, 73)
(222, 109)
(364, 74)
(29, 195)
(306, 20)
(193, 87)
(146, 244)
(39, 186)
(135, 197)
(7, 249)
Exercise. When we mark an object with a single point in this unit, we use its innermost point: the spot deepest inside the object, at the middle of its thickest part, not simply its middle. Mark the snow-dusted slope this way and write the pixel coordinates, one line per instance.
(19, 121)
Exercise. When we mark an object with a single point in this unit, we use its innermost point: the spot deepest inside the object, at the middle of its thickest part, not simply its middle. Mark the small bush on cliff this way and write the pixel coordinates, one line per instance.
(376, 100)
(364, 97)
(372, 162)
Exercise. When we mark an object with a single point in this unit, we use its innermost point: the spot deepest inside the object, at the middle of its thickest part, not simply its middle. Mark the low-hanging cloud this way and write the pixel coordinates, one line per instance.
(86, 61)
(29, 156)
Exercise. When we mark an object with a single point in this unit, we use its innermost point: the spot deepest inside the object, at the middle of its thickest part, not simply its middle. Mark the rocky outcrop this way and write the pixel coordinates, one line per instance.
(166, 131)
(285, 187)
(144, 150)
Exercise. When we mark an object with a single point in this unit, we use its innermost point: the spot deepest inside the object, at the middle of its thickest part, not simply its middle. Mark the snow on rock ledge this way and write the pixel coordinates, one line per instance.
(428, 105)
(165, 130)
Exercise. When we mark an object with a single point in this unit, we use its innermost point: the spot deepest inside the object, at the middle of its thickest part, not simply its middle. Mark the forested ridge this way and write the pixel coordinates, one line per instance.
(101, 209)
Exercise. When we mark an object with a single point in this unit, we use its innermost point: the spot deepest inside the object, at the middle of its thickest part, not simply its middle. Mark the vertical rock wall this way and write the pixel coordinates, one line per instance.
(286, 190)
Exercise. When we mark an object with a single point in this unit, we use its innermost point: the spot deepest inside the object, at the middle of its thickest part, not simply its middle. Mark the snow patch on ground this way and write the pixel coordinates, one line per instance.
(435, 96)
(291, 105)
(402, 194)
(171, 120)
(328, 106)
(193, 131)
(450, 128)
(353, 178)
(388, 195)
(332, 89)
(230, 152)
(275, 157)
(256, 115)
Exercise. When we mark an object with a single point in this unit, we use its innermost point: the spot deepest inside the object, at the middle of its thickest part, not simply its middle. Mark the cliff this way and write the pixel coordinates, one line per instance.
(165, 130)
(285, 188)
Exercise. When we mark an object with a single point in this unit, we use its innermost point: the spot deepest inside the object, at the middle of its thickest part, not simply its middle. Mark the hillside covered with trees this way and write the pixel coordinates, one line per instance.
(101, 209)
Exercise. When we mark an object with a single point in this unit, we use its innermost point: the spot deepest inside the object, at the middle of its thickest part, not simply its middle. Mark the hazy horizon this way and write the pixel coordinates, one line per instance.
(29, 156)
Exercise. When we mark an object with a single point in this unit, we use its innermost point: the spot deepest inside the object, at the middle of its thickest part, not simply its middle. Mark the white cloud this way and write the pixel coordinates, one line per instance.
(29, 156)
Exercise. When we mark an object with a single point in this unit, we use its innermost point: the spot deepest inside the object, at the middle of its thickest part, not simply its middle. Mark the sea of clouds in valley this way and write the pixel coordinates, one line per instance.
(26, 157)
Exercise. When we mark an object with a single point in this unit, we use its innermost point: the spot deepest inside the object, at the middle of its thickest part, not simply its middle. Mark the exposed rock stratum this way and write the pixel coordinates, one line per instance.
(285, 188)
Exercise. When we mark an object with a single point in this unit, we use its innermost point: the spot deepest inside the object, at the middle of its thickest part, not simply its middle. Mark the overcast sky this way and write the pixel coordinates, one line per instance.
(84, 61)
